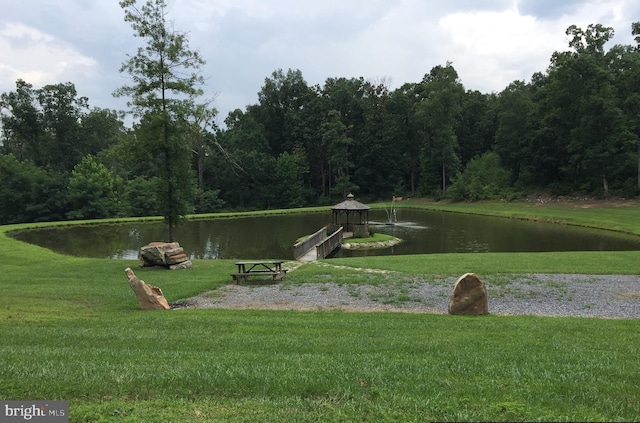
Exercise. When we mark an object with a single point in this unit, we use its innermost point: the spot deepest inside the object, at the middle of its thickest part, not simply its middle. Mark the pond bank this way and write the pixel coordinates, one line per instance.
(373, 244)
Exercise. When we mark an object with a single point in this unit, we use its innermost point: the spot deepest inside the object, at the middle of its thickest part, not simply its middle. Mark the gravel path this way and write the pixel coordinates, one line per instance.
(601, 296)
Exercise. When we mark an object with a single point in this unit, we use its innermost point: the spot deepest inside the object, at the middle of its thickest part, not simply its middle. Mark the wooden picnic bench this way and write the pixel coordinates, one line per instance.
(259, 268)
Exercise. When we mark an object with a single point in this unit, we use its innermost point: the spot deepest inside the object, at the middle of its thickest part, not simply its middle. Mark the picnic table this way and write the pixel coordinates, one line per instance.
(272, 268)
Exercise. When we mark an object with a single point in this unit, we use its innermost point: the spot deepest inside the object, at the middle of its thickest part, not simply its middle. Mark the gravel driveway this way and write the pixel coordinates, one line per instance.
(602, 296)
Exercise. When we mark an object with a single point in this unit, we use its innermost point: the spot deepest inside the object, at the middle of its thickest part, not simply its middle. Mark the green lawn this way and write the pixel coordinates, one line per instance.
(71, 330)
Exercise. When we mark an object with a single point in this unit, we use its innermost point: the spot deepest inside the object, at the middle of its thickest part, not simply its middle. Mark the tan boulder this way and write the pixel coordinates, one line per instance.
(149, 297)
(175, 259)
(469, 296)
(153, 254)
(170, 252)
(165, 254)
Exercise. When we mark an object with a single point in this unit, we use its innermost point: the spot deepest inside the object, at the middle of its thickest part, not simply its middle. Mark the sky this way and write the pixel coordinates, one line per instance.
(490, 43)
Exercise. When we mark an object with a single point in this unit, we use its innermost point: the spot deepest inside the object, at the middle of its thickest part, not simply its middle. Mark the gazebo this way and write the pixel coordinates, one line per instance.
(359, 222)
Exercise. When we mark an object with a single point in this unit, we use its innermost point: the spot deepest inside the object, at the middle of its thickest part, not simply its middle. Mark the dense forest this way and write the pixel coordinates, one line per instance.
(573, 129)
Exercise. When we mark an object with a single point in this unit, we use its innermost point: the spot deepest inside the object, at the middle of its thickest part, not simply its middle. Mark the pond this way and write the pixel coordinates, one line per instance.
(273, 236)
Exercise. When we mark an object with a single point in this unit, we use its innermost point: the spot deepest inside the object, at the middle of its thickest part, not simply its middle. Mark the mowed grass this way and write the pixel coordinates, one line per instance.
(70, 329)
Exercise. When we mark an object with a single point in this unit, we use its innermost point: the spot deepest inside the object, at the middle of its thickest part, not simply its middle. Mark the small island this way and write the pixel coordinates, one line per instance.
(375, 240)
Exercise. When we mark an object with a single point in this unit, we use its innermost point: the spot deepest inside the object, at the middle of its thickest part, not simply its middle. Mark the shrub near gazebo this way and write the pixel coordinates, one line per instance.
(356, 215)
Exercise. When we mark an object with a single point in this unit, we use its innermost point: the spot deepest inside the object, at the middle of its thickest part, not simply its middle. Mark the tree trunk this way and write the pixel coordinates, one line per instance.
(413, 182)
(323, 180)
(444, 179)
(167, 154)
(200, 153)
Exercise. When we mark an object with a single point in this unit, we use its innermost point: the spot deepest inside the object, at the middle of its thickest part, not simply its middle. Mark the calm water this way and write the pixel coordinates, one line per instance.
(274, 236)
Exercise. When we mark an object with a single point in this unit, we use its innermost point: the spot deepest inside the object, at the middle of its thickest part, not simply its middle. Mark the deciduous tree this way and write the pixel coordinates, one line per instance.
(584, 96)
(439, 111)
(91, 192)
(166, 77)
(337, 142)
(22, 126)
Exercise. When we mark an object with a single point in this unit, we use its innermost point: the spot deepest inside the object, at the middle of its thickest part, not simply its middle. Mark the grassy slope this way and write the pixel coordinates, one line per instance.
(619, 216)
(71, 330)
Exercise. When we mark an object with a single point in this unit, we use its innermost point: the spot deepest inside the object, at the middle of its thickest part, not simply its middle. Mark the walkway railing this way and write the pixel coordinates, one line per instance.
(329, 244)
(301, 248)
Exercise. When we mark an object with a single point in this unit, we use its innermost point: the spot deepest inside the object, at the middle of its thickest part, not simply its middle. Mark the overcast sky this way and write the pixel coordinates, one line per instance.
(490, 42)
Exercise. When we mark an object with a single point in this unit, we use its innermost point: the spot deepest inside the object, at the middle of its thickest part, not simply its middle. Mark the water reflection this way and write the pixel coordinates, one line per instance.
(274, 236)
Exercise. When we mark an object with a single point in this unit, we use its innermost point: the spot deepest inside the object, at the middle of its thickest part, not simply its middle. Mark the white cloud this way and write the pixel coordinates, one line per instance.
(490, 42)
(39, 58)
(492, 49)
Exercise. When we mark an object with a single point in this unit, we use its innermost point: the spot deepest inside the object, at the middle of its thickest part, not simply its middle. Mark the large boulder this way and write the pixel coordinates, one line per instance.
(169, 255)
(149, 297)
(469, 296)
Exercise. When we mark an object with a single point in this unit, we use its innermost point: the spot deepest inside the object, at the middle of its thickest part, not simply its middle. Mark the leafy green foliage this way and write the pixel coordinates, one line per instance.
(209, 201)
(22, 124)
(29, 193)
(337, 142)
(19, 179)
(162, 66)
(140, 196)
(440, 107)
(572, 129)
(483, 179)
(165, 81)
(288, 188)
(91, 191)
(51, 127)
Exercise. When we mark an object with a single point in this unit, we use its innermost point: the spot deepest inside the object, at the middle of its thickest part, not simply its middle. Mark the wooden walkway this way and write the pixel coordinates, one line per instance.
(311, 255)
(323, 245)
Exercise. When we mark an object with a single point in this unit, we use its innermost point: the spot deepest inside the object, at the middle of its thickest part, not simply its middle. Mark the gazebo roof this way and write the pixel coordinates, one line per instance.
(350, 204)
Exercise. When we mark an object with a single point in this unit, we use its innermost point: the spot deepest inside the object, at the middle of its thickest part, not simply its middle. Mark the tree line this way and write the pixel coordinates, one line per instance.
(574, 128)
